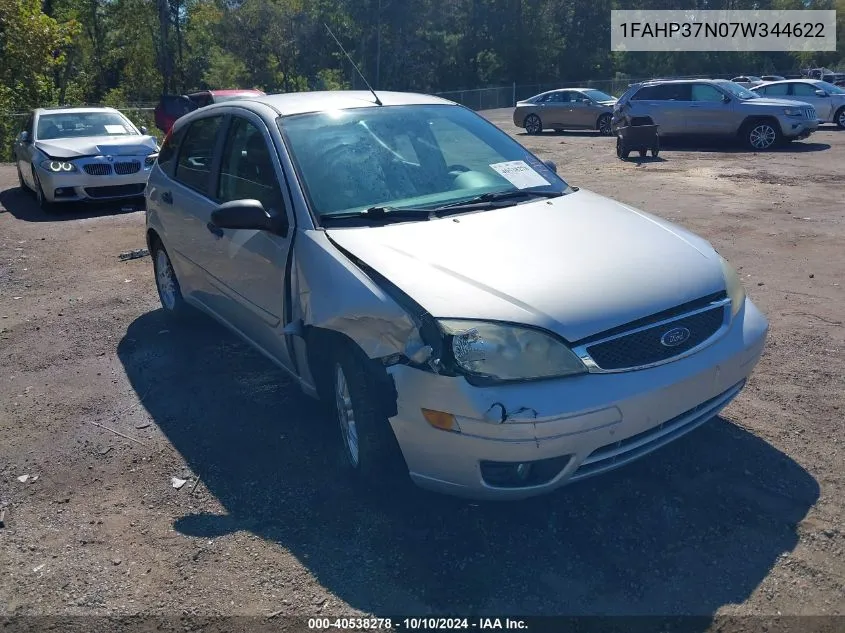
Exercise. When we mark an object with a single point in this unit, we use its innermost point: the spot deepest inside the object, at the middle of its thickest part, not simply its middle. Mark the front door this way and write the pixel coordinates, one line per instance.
(247, 266)
(807, 93)
(707, 112)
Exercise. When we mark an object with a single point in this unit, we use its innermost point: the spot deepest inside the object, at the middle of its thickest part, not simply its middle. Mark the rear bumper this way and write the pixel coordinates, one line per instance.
(581, 426)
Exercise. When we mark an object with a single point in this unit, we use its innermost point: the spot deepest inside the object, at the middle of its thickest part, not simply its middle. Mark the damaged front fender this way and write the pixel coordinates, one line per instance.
(329, 291)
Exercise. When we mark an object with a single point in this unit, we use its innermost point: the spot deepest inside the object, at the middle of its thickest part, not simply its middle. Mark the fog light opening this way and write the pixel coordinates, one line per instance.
(523, 471)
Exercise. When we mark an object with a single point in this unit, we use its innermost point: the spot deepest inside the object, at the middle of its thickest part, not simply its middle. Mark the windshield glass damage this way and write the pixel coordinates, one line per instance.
(415, 156)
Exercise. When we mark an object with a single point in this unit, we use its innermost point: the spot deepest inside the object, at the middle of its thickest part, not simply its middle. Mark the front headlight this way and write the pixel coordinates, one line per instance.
(733, 285)
(792, 112)
(150, 160)
(58, 166)
(508, 352)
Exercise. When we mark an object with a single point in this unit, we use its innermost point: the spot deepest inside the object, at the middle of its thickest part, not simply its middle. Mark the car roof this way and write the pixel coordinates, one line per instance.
(790, 81)
(236, 91)
(303, 102)
(73, 110)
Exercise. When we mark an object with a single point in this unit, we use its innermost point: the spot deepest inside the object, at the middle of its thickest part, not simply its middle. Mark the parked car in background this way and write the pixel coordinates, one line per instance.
(566, 109)
(359, 244)
(71, 154)
(746, 81)
(715, 107)
(171, 107)
(827, 99)
(772, 78)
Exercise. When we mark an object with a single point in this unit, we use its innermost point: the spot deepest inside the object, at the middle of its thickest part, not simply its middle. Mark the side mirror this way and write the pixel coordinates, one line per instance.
(24, 137)
(248, 214)
(551, 165)
(821, 93)
(143, 129)
(726, 99)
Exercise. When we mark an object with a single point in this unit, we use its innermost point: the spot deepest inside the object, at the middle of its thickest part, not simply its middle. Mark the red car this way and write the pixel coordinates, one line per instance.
(171, 107)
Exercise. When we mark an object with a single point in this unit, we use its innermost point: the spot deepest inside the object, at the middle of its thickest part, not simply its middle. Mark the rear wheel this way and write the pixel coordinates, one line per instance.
(21, 183)
(621, 151)
(643, 153)
(839, 118)
(604, 126)
(169, 291)
(533, 125)
(762, 135)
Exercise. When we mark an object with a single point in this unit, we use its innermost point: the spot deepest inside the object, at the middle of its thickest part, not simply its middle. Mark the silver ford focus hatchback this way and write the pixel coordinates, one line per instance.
(475, 321)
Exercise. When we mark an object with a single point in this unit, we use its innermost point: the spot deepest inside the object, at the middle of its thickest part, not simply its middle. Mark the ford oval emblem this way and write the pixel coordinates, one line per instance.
(674, 337)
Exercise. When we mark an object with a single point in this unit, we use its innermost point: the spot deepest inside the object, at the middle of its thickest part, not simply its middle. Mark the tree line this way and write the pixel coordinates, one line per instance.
(122, 52)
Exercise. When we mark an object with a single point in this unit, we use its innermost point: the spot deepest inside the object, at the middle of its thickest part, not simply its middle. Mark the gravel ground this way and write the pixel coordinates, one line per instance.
(744, 516)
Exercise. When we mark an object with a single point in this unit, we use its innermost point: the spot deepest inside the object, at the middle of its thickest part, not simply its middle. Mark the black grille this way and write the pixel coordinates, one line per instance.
(116, 191)
(126, 168)
(97, 169)
(645, 347)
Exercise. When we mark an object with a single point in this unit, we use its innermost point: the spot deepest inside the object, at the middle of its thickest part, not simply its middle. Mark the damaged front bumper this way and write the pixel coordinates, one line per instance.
(563, 430)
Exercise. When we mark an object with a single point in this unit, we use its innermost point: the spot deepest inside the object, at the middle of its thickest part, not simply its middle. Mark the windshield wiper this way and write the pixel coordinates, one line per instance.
(491, 200)
(380, 213)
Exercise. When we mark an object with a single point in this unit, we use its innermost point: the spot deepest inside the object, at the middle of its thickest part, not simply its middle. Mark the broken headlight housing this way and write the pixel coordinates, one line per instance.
(733, 286)
(501, 352)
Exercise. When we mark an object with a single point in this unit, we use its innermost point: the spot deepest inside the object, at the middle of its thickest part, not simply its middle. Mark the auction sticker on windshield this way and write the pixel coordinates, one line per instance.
(519, 174)
(115, 129)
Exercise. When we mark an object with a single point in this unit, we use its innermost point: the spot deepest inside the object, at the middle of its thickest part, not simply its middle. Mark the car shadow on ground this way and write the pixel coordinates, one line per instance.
(22, 205)
(693, 527)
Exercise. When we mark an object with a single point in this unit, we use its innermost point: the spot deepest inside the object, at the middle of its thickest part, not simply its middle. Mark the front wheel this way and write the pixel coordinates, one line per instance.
(21, 182)
(46, 205)
(604, 125)
(370, 448)
(762, 135)
(839, 118)
(533, 125)
(621, 151)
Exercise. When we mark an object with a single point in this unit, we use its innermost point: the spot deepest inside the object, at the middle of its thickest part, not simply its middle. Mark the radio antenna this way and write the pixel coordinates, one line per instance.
(358, 70)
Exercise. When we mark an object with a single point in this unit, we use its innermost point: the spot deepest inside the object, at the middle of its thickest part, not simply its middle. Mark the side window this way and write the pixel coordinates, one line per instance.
(559, 97)
(803, 90)
(196, 153)
(777, 90)
(246, 171)
(675, 92)
(169, 149)
(646, 93)
(706, 92)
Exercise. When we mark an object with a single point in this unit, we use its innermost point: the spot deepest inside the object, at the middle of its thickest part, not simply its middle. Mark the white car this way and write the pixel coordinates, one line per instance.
(72, 154)
(747, 81)
(472, 318)
(827, 99)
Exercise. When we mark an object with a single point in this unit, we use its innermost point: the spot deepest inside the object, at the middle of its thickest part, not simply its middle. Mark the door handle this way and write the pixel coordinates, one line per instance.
(167, 197)
(695, 106)
(214, 229)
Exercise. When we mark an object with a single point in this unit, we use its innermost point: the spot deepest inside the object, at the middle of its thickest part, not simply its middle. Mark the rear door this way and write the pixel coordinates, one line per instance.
(666, 105)
(248, 267)
(184, 205)
(555, 109)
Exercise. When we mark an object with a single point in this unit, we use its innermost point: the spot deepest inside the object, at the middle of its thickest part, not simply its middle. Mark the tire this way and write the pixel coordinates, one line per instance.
(839, 118)
(45, 205)
(21, 183)
(603, 125)
(762, 135)
(370, 450)
(621, 151)
(654, 152)
(643, 153)
(533, 124)
(169, 291)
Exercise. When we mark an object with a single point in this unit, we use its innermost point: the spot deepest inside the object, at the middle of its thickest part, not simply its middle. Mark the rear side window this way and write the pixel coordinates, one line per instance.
(196, 153)
(778, 90)
(664, 92)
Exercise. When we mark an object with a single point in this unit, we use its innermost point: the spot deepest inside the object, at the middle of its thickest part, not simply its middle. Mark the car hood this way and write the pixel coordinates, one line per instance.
(576, 265)
(98, 146)
(772, 101)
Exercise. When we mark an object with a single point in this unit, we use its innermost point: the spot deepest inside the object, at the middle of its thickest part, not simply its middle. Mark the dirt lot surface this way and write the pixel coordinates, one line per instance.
(743, 516)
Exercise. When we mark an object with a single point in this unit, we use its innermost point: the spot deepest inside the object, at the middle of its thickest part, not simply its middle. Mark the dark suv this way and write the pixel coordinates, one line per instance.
(715, 107)
(171, 107)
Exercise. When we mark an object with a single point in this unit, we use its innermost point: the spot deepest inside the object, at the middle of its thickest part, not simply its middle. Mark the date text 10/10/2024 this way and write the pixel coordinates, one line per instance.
(417, 624)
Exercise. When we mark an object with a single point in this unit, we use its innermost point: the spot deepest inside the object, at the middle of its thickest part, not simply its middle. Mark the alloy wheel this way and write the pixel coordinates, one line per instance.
(762, 136)
(346, 416)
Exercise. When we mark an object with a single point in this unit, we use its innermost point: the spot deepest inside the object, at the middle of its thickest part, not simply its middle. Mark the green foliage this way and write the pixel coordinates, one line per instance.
(127, 52)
